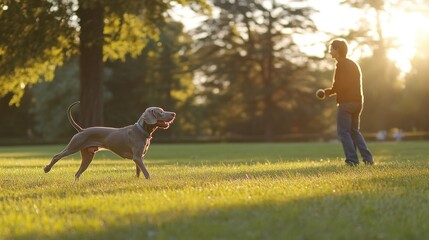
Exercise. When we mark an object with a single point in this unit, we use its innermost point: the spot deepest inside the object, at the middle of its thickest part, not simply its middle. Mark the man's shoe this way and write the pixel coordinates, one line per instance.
(370, 162)
(351, 164)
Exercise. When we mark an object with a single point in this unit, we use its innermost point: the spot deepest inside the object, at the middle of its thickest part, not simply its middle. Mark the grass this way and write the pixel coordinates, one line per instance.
(218, 191)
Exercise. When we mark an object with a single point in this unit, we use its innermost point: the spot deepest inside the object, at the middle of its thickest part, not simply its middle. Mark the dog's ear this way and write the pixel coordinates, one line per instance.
(149, 117)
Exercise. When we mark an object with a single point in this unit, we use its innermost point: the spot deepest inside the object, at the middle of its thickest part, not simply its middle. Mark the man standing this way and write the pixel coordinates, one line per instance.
(347, 86)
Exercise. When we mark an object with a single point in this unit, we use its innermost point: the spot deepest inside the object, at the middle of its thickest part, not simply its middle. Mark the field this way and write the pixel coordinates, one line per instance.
(218, 191)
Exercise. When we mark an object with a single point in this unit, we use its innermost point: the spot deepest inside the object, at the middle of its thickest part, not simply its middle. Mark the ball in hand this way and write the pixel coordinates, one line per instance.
(320, 94)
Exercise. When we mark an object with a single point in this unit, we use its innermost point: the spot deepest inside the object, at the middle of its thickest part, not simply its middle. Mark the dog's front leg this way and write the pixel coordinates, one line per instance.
(140, 164)
(138, 159)
(144, 153)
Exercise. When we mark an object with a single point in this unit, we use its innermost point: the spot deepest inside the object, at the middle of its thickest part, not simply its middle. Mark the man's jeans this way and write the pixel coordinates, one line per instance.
(348, 118)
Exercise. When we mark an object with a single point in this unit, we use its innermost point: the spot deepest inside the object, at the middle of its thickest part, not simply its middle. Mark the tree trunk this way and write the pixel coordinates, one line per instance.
(267, 70)
(91, 63)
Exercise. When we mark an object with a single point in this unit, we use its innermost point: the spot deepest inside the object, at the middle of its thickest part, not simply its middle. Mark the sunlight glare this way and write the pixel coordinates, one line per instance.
(405, 28)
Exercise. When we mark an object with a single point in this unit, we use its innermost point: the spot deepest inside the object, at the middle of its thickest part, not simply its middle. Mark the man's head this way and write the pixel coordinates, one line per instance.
(339, 48)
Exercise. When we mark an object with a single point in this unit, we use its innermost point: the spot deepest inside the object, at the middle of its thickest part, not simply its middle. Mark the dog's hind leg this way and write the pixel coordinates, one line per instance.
(87, 156)
(73, 146)
(57, 157)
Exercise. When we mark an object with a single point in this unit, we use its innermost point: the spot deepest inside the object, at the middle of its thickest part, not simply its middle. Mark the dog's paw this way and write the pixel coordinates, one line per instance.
(47, 169)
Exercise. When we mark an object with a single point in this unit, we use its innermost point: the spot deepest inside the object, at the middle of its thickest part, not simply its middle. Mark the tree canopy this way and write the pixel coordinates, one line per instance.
(252, 65)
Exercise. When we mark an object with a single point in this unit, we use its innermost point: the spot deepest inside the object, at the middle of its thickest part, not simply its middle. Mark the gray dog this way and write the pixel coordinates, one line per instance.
(131, 142)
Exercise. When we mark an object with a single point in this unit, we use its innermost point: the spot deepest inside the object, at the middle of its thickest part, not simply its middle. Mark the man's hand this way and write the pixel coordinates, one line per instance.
(328, 92)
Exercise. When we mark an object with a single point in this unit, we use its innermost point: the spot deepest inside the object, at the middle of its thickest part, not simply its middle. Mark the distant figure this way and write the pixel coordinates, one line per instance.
(397, 134)
(381, 135)
(347, 86)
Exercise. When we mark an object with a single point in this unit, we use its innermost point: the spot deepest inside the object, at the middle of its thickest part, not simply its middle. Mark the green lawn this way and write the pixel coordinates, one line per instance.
(218, 191)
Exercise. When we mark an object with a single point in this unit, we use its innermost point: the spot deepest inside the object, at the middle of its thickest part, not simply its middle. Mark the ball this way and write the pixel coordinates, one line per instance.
(320, 94)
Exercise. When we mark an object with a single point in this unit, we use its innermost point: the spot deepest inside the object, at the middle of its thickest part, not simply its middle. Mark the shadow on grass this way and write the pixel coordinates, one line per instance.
(195, 175)
(370, 215)
(178, 182)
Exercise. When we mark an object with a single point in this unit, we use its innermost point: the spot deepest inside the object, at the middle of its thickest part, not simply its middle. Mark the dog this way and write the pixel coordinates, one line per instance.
(130, 142)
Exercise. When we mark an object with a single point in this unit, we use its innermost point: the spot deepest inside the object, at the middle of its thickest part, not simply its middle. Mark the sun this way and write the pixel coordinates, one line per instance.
(405, 29)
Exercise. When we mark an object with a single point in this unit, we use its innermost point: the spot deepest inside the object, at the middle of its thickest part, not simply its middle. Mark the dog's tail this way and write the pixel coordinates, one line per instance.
(72, 122)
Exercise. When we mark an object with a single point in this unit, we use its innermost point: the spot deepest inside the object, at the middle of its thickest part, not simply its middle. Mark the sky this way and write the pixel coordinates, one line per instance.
(337, 18)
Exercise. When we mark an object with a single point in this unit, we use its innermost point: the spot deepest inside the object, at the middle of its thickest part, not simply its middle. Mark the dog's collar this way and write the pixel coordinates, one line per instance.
(141, 129)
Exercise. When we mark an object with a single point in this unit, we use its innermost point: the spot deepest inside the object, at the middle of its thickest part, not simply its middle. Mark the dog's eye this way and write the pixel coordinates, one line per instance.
(155, 113)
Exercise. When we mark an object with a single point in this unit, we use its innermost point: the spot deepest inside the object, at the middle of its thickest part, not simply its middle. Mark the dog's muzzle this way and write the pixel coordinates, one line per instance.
(164, 124)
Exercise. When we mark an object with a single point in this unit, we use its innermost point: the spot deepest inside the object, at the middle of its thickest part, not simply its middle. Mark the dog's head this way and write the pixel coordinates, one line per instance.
(158, 117)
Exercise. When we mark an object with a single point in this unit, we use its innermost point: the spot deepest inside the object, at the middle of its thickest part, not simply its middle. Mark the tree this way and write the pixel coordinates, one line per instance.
(253, 70)
(37, 36)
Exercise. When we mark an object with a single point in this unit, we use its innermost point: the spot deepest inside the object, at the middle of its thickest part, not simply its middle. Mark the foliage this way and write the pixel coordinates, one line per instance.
(38, 36)
(218, 191)
(51, 100)
(35, 37)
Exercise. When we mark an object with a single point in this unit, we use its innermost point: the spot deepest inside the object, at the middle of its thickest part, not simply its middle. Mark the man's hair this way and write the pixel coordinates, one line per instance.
(341, 46)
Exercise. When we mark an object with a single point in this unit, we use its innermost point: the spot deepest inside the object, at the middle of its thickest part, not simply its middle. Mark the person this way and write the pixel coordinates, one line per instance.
(347, 87)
